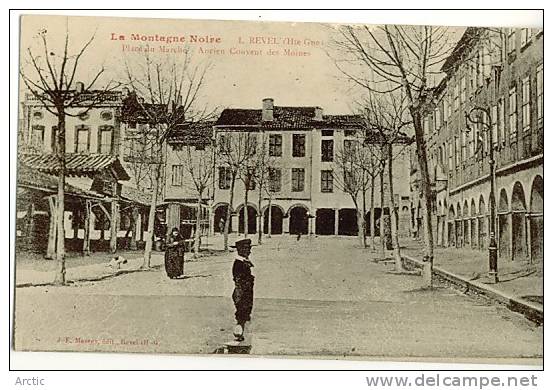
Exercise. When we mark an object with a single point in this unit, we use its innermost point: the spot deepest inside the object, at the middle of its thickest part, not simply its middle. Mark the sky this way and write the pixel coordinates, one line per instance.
(297, 72)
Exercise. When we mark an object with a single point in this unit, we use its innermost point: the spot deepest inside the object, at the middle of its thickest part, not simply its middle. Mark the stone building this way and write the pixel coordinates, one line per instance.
(303, 195)
(97, 203)
(501, 72)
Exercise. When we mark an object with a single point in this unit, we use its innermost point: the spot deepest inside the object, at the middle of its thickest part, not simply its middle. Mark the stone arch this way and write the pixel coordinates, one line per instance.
(251, 217)
(503, 205)
(294, 206)
(219, 215)
(276, 219)
(504, 225)
(536, 195)
(466, 224)
(536, 219)
(483, 223)
(298, 219)
(518, 223)
(482, 206)
(473, 225)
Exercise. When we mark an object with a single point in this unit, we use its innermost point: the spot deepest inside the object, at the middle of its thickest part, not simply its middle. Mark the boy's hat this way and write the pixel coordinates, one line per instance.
(246, 242)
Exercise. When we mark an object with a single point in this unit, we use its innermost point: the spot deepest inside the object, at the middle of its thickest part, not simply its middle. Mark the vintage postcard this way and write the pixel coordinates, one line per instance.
(280, 189)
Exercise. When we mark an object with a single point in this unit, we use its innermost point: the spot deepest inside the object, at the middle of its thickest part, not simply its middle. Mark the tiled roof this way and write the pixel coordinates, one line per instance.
(76, 164)
(341, 121)
(191, 134)
(30, 177)
(134, 195)
(286, 118)
(133, 111)
(283, 117)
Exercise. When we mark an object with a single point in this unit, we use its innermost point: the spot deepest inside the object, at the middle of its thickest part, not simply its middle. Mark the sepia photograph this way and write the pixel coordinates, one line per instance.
(368, 192)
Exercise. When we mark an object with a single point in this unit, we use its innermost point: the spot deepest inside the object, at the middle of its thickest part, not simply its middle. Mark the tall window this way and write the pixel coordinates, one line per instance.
(464, 137)
(105, 136)
(224, 143)
(463, 90)
(298, 179)
(37, 136)
(350, 145)
(450, 155)
(457, 154)
(275, 181)
(539, 79)
(511, 40)
(494, 124)
(456, 96)
(437, 118)
(82, 139)
(275, 145)
(298, 145)
(327, 150)
(525, 36)
(176, 175)
(526, 104)
(513, 111)
(327, 181)
(250, 179)
(224, 178)
(501, 120)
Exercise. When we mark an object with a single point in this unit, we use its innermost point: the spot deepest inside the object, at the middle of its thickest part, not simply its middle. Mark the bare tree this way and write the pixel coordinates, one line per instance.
(166, 94)
(198, 164)
(352, 180)
(263, 175)
(235, 150)
(389, 58)
(51, 77)
(386, 116)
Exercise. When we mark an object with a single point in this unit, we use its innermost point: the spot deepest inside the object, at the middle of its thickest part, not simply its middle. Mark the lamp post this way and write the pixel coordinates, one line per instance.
(492, 248)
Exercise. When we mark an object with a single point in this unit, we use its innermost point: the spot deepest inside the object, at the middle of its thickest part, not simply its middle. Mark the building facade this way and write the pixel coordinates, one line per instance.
(498, 71)
(303, 194)
(97, 204)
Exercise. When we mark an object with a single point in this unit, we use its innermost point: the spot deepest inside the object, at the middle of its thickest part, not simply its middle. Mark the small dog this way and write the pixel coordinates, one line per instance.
(116, 262)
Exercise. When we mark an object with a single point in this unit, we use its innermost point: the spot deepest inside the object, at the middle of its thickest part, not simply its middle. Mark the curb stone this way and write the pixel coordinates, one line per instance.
(530, 310)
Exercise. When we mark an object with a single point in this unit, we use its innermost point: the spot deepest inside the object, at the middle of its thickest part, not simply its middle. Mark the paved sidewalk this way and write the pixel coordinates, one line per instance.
(516, 279)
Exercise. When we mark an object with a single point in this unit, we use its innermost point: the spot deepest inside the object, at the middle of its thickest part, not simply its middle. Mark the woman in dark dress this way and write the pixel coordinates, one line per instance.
(174, 255)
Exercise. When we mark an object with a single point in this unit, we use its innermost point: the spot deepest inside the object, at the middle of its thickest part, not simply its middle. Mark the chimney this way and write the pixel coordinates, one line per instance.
(267, 110)
(79, 87)
(318, 114)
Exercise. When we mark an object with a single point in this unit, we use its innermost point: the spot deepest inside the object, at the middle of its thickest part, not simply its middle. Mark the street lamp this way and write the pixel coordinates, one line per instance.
(492, 248)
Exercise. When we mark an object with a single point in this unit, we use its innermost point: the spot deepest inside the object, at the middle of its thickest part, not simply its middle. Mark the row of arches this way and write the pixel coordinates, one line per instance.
(299, 220)
(519, 226)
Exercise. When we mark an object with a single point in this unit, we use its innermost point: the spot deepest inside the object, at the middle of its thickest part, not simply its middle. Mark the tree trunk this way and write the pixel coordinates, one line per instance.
(53, 227)
(270, 219)
(198, 227)
(426, 194)
(86, 235)
(60, 210)
(134, 220)
(245, 212)
(382, 233)
(372, 218)
(227, 219)
(394, 213)
(363, 217)
(259, 217)
(360, 228)
(151, 221)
